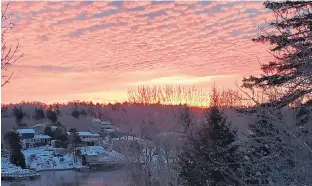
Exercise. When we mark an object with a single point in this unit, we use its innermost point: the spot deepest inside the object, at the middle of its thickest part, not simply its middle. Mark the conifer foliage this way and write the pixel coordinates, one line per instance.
(16, 156)
(292, 50)
(209, 154)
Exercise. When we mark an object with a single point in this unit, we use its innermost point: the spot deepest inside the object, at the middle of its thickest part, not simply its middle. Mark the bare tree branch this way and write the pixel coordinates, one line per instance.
(9, 54)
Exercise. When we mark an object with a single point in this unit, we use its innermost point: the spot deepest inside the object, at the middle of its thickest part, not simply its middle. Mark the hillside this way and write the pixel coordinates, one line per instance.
(125, 116)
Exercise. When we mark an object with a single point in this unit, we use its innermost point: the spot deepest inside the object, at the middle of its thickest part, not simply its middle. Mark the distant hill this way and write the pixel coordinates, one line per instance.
(125, 116)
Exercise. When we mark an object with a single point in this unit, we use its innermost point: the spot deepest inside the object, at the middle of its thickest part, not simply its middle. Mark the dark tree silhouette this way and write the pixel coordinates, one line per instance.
(18, 113)
(39, 113)
(51, 114)
(48, 131)
(292, 68)
(207, 149)
(16, 156)
(75, 113)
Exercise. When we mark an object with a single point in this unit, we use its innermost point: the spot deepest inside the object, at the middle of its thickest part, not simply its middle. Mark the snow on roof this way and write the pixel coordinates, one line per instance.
(41, 136)
(126, 138)
(106, 123)
(96, 120)
(109, 130)
(85, 134)
(53, 127)
(102, 122)
(92, 150)
(26, 131)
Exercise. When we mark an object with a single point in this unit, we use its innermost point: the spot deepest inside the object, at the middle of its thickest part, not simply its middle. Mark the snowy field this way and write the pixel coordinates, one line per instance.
(43, 159)
(7, 167)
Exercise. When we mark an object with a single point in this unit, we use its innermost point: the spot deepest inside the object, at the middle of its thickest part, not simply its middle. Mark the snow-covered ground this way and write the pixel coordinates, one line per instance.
(104, 155)
(9, 168)
(43, 159)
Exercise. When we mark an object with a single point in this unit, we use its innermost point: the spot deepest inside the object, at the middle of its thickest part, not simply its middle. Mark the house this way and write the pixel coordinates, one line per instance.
(93, 153)
(125, 142)
(27, 137)
(87, 138)
(41, 140)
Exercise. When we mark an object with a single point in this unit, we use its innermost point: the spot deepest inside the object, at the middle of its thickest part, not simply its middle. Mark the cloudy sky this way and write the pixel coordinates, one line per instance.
(98, 50)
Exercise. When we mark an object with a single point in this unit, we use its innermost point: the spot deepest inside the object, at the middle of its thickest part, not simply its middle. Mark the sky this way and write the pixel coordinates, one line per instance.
(97, 51)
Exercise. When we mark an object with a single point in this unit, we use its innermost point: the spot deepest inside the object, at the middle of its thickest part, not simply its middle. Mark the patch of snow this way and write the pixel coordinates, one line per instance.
(44, 159)
(92, 150)
(84, 134)
(41, 136)
(26, 131)
(8, 168)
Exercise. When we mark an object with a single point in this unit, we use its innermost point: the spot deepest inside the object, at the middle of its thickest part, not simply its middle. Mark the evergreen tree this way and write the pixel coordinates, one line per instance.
(268, 149)
(18, 113)
(60, 134)
(75, 113)
(207, 156)
(16, 156)
(39, 114)
(292, 67)
(51, 114)
(48, 131)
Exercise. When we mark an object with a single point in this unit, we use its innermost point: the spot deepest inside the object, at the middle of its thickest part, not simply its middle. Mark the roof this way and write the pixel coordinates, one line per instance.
(26, 131)
(84, 134)
(109, 130)
(41, 136)
(107, 122)
(126, 138)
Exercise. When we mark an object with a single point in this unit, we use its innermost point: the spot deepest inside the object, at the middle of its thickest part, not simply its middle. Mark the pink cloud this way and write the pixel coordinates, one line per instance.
(82, 55)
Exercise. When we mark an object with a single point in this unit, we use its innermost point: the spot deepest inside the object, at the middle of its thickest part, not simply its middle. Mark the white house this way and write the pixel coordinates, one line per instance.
(27, 137)
(41, 140)
(88, 138)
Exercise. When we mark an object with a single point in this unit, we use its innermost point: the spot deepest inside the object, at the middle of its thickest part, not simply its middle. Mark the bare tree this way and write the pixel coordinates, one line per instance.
(152, 159)
(9, 53)
(172, 95)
